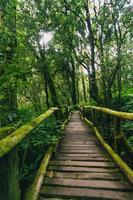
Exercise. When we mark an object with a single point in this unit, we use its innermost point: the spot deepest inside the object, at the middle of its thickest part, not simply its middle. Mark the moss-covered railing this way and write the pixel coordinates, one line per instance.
(33, 190)
(119, 139)
(122, 115)
(9, 165)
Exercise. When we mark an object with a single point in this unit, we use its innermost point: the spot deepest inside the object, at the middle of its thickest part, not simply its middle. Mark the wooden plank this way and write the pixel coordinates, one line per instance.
(81, 175)
(78, 148)
(109, 185)
(78, 145)
(77, 142)
(84, 193)
(76, 151)
(85, 141)
(82, 169)
(74, 139)
(84, 156)
(91, 155)
(85, 164)
(92, 158)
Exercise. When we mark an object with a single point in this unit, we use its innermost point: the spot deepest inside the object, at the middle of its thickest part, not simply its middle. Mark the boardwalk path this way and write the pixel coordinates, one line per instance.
(82, 170)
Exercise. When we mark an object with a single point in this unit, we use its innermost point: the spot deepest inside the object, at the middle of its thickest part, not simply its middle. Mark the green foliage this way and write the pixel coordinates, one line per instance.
(26, 113)
(32, 149)
(127, 106)
(130, 140)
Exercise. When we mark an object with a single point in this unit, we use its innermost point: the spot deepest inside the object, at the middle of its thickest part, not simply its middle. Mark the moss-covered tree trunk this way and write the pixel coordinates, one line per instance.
(51, 87)
(48, 80)
(73, 77)
(91, 39)
(83, 85)
(9, 177)
(9, 171)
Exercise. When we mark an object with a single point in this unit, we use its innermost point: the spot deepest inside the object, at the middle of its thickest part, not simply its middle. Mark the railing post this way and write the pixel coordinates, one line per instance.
(117, 135)
(83, 112)
(67, 111)
(9, 176)
(57, 113)
(93, 115)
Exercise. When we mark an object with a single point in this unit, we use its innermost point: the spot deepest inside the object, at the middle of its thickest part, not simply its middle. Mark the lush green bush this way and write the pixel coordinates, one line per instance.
(33, 148)
(127, 106)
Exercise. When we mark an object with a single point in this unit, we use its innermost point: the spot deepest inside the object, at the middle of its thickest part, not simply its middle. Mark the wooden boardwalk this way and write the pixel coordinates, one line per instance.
(82, 169)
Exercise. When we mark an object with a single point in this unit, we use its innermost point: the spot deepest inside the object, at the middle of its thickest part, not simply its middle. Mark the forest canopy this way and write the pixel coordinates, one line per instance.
(64, 52)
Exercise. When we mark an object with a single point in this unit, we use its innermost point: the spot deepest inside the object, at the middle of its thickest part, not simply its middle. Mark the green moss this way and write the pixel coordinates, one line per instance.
(120, 163)
(18, 135)
(122, 115)
(33, 191)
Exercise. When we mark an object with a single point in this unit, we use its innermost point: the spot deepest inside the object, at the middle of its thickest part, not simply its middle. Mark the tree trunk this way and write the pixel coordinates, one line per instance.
(47, 94)
(9, 177)
(50, 84)
(83, 85)
(9, 166)
(73, 77)
(92, 81)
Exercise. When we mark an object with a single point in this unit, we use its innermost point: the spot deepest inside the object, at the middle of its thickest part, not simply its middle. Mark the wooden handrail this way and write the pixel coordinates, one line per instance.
(120, 163)
(33, 191)
(18, 135)
(122, 115)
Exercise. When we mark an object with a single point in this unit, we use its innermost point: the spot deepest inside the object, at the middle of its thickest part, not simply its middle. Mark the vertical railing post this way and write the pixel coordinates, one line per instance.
(93, 115)
(84, 115)
(57, 113)
(9, 176)
(68, 110)
(117, 134)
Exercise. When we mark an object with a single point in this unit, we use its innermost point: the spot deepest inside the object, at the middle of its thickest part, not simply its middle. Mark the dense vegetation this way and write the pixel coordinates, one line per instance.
(95, 36)
(63, 52)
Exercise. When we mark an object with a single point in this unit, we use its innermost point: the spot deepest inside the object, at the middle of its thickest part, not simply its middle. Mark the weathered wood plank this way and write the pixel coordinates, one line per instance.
(91, 154)
(82, 169)
(76, 151)
(88, 176)
(109, 185)
(77, 142)
(93, 159)
(79, 146)
(81, 164)
(84, 193)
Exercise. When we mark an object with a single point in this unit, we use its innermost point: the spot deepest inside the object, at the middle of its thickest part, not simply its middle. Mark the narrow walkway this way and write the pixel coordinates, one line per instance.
(82, 170)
